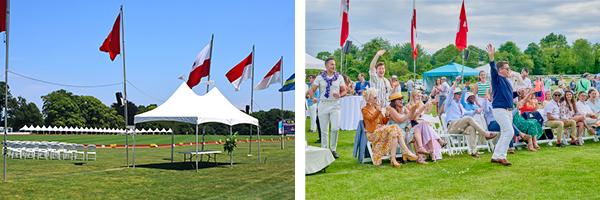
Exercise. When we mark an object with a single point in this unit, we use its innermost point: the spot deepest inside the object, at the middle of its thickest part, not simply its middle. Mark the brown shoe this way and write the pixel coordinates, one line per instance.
(490, 135)
(502, 162)
(475, 155)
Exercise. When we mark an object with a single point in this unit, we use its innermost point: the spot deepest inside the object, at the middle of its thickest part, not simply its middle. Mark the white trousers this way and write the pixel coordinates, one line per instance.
(313, 117)
(329, 113)
(504, 119)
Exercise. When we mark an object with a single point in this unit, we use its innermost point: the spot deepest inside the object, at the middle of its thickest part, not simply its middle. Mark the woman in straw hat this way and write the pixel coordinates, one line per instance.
(384, 138)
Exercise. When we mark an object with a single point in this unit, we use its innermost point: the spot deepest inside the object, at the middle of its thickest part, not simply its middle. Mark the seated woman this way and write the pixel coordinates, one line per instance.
(427, 141)
(528, 114)
(568, 110)
(591, 119)
(384, 138)
(593, 101)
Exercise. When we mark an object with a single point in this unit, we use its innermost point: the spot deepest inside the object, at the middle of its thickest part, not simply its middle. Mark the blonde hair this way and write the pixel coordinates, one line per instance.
(368, 93)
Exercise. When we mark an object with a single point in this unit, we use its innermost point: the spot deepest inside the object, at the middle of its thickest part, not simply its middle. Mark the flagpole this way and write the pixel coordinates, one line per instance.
(414, 57)
(282, 121)
(212, 37)
(4, 151)
(462, 72)
(342, 60)
(124, 86)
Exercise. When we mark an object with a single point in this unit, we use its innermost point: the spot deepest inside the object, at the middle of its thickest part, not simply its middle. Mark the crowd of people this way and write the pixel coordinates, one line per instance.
(505, 105)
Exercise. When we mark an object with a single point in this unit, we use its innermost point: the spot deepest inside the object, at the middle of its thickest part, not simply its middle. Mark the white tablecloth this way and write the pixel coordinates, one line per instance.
(317, 159)
(350, 113)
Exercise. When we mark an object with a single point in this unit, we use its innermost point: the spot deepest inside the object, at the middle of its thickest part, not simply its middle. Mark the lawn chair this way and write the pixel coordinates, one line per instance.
(91, 150)
(79, 150)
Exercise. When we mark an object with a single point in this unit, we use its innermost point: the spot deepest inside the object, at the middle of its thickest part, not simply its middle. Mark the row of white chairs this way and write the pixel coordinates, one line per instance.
(50, 150)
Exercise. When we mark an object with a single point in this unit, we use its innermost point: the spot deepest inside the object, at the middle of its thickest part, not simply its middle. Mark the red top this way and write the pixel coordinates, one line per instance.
(527, 108)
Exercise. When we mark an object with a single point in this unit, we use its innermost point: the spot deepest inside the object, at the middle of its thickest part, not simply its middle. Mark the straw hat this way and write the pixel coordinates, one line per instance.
(395, 95)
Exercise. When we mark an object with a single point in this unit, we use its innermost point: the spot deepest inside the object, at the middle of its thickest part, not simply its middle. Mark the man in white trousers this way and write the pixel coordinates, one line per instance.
(332, 88)
(502, 104)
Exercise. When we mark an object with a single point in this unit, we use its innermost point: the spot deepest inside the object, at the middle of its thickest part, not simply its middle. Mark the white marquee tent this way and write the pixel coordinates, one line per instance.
(314, 63)
(186, 106)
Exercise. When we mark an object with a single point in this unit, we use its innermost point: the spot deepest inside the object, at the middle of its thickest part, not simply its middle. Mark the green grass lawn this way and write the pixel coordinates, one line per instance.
(120, 139)
(551, 173)
(155, 177)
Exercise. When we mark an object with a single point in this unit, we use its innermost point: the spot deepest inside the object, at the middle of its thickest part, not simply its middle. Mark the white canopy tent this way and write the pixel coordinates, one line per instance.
(186, 106)
(314, 63)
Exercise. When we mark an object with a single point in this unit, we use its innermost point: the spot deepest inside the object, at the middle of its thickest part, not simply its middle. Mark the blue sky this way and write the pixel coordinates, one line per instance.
(58, 41)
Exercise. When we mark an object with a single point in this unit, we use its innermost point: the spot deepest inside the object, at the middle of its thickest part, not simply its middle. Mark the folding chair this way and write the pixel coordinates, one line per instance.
(91, 150)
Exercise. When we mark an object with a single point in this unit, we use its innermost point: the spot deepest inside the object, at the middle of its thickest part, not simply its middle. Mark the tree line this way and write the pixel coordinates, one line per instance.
(63, 108)
(551, 55)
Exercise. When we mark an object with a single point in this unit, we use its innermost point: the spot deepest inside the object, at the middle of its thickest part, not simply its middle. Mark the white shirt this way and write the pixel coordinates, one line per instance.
(322, 85)
(445, 89)
(527, 82)
(553, 109)
(583, 109)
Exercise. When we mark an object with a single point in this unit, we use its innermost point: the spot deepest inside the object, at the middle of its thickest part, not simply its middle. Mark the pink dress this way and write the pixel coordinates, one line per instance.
(429, 135)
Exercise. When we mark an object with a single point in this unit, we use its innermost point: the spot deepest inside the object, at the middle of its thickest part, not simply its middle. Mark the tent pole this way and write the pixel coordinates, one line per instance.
(133, 159)
(203, 134)
(196, 147)
(172, 145)
(258, 133)
(231, 153)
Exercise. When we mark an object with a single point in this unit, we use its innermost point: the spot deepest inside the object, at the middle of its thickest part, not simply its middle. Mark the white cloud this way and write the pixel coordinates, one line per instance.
(489, 21)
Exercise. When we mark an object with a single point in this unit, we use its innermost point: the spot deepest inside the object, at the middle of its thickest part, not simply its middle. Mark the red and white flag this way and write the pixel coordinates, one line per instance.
(111, 44)
(240, 72)
(413, 33)
(273, 76)
(463, 28)
(3, 7)
(345, 24)
(201, 67)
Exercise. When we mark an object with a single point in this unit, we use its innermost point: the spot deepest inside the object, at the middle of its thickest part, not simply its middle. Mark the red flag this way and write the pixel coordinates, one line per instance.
(273, 76)
(3, 14)
(413, 32)
(201, 66)
(111, 43)
(240, 72)
(461, 35)
(345, 24)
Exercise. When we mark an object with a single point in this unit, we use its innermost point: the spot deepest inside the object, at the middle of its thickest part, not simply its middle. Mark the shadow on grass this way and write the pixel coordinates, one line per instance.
(185, 165)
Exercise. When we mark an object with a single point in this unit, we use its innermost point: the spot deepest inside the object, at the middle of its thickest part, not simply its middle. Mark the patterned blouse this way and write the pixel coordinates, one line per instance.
(565, 112)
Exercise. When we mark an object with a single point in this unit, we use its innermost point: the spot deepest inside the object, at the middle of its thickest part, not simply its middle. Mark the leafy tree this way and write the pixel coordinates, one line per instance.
(61, 109)
(96, 114)
(535, 53)
(446, 56)
(24, 114)
(132, 110)
(584, 60)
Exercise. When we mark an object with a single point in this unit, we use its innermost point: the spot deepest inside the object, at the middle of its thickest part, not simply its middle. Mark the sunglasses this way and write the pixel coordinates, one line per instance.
(557, 95)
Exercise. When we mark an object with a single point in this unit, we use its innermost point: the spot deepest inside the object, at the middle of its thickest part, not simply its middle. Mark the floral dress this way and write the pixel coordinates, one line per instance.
(379, 134)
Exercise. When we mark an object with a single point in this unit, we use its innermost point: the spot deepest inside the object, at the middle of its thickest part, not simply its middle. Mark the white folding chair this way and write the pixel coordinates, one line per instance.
(91, 150)
(79, 150)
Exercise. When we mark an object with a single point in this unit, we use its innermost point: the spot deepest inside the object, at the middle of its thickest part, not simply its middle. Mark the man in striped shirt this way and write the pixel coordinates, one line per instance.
(378, 81)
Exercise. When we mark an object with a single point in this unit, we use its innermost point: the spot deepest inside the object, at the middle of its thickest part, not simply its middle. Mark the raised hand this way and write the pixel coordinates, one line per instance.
(380, 52)
(490, 50)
